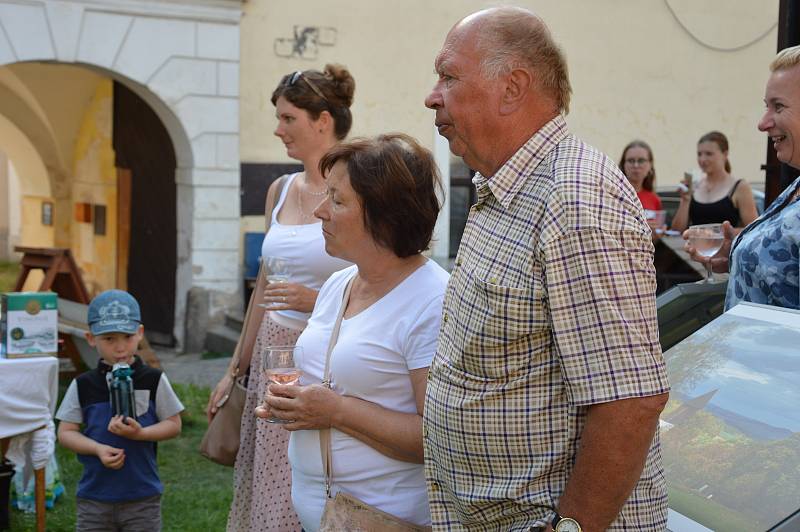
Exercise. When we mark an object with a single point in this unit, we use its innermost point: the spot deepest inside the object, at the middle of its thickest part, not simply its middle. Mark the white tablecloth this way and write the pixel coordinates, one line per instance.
(28, 394)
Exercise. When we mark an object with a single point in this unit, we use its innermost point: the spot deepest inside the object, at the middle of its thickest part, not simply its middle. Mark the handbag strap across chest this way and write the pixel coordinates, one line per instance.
(325, 434)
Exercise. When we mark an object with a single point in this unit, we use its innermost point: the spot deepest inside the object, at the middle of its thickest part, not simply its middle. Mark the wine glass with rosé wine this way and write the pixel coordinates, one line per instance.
(707, 239)
(281, 365)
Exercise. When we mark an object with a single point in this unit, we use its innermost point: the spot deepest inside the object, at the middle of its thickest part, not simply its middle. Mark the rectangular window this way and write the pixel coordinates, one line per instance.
(47, 213)
(99, 219)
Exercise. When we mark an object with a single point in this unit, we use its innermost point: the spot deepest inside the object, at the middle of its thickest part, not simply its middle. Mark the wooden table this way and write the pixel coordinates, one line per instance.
(27, 403)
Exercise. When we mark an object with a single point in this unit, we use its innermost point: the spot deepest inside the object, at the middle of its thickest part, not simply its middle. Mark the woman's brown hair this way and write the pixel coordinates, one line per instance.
(650, 178)
(720, 140)
(397, 182)
(313, 91)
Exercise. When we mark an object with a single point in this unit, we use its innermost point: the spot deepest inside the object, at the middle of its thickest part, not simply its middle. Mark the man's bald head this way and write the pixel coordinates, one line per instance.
(513, 37)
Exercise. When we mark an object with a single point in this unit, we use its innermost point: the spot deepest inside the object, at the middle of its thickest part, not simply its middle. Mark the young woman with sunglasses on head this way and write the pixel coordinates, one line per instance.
(313, 113)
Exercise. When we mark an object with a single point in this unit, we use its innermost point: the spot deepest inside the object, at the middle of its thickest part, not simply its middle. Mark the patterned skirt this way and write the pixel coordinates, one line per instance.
(262, 489)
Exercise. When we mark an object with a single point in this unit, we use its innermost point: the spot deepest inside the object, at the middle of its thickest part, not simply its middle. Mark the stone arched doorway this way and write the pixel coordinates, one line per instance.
(182, 59)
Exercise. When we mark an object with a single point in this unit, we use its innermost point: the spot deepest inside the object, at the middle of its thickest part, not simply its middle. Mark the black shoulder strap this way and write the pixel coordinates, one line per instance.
(734, 188)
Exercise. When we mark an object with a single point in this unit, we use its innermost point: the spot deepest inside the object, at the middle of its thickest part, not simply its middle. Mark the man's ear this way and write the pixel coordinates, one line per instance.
(90, 338)
(140, 332)
(518, 84)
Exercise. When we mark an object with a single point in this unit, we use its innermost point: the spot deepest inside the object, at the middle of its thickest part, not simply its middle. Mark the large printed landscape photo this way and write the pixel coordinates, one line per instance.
(731, 430)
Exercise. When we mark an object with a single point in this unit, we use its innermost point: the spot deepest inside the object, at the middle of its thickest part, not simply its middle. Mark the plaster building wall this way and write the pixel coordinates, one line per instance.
(94, 242)
(62, 93)
(666, 71)
(5, 210)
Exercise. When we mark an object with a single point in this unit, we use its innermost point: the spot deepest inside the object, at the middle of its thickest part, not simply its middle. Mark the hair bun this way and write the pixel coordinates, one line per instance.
(344, 86)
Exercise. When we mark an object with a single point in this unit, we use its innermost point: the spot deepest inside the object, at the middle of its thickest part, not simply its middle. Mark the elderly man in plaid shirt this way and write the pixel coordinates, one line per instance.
(543, 398)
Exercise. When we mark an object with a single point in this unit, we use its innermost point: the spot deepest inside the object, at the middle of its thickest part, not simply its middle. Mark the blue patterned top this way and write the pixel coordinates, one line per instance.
(765, 261)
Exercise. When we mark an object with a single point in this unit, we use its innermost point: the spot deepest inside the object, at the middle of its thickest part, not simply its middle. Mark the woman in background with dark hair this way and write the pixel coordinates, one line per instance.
(313, 112)
(718, 196)
(638, 166)
(380, 213)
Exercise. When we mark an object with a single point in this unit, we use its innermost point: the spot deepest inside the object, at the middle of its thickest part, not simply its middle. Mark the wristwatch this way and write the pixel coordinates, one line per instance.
(565, 524)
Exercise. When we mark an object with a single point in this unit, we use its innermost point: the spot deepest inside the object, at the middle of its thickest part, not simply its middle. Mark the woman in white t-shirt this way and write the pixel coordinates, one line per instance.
(380, 213)
(313, 112)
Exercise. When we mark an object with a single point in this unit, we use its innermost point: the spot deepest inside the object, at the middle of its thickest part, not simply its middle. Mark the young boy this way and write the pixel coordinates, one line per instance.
(120, 488)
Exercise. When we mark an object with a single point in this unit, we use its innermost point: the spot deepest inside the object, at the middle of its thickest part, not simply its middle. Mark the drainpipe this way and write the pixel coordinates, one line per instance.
(778, 174)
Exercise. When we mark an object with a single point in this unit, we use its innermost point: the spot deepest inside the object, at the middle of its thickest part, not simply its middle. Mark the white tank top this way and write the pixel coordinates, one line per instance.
(304, 246)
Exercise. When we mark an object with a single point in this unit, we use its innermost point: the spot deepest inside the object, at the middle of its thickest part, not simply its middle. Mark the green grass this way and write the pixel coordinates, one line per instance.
(708, 512)
(197, 492)
(211, 355)
(8, 275)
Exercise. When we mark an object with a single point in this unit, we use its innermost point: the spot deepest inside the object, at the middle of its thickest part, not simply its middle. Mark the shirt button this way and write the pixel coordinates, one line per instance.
(478, 208)
(493, 280)
(444, 318)
(458, 262)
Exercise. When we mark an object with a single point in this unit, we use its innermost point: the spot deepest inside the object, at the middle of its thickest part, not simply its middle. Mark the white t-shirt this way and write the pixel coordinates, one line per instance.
(304, 246)
(371, 360)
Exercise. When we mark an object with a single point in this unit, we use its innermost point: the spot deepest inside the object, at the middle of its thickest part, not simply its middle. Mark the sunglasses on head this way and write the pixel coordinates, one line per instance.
(292, 79)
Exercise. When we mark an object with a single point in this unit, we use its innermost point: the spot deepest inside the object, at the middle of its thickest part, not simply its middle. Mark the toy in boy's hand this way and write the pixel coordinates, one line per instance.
(123, 401)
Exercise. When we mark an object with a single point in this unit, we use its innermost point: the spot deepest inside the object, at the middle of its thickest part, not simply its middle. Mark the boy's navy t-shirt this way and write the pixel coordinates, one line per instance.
(88, 402)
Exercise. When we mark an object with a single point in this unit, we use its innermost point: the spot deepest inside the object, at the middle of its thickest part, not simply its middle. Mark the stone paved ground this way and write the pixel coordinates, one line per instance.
(191, 368)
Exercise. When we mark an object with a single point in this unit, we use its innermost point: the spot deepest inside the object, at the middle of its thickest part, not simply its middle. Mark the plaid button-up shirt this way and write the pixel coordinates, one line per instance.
(550, 309)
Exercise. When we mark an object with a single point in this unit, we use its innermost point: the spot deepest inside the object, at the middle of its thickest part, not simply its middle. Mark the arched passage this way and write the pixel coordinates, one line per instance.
(182, 59)
(19, 198)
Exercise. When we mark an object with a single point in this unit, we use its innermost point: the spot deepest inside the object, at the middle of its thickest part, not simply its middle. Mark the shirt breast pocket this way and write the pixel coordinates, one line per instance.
(142, 401)
(506, 311)
(498, 329)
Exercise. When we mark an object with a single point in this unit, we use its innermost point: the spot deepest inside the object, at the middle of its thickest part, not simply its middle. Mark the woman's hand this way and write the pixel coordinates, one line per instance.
(222, 388)
(719, 261)
(305, 407)
(290, 296)
(684, 192)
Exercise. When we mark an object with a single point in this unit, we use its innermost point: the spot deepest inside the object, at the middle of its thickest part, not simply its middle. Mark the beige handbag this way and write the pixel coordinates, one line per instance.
(345, 512)
(221, 441)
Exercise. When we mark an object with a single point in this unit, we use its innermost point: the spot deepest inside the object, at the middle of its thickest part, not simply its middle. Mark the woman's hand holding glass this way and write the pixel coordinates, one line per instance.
(289, 296)
(718, 262)
(303, 407)
(279, 293)
(656, 219)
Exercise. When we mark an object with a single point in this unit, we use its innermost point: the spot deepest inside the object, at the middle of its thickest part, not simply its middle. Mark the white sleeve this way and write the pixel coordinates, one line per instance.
(423, 335)
(70, 409)
(167, 402)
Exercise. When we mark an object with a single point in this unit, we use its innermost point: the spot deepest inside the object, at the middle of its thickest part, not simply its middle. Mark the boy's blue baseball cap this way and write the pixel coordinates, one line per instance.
(114, 311)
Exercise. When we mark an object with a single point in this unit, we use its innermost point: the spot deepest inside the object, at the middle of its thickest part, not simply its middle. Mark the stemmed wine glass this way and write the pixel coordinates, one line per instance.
(707, 239)
(277, 271)
(281, 365)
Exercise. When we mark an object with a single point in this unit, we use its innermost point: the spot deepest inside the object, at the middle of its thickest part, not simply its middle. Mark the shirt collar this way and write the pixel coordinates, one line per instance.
(506, 182)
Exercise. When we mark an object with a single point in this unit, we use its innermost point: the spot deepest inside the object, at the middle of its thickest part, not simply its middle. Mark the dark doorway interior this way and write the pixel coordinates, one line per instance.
(144, 148)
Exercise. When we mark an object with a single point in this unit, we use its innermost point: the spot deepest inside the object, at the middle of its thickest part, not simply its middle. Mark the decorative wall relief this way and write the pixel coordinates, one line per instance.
(306, 42)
